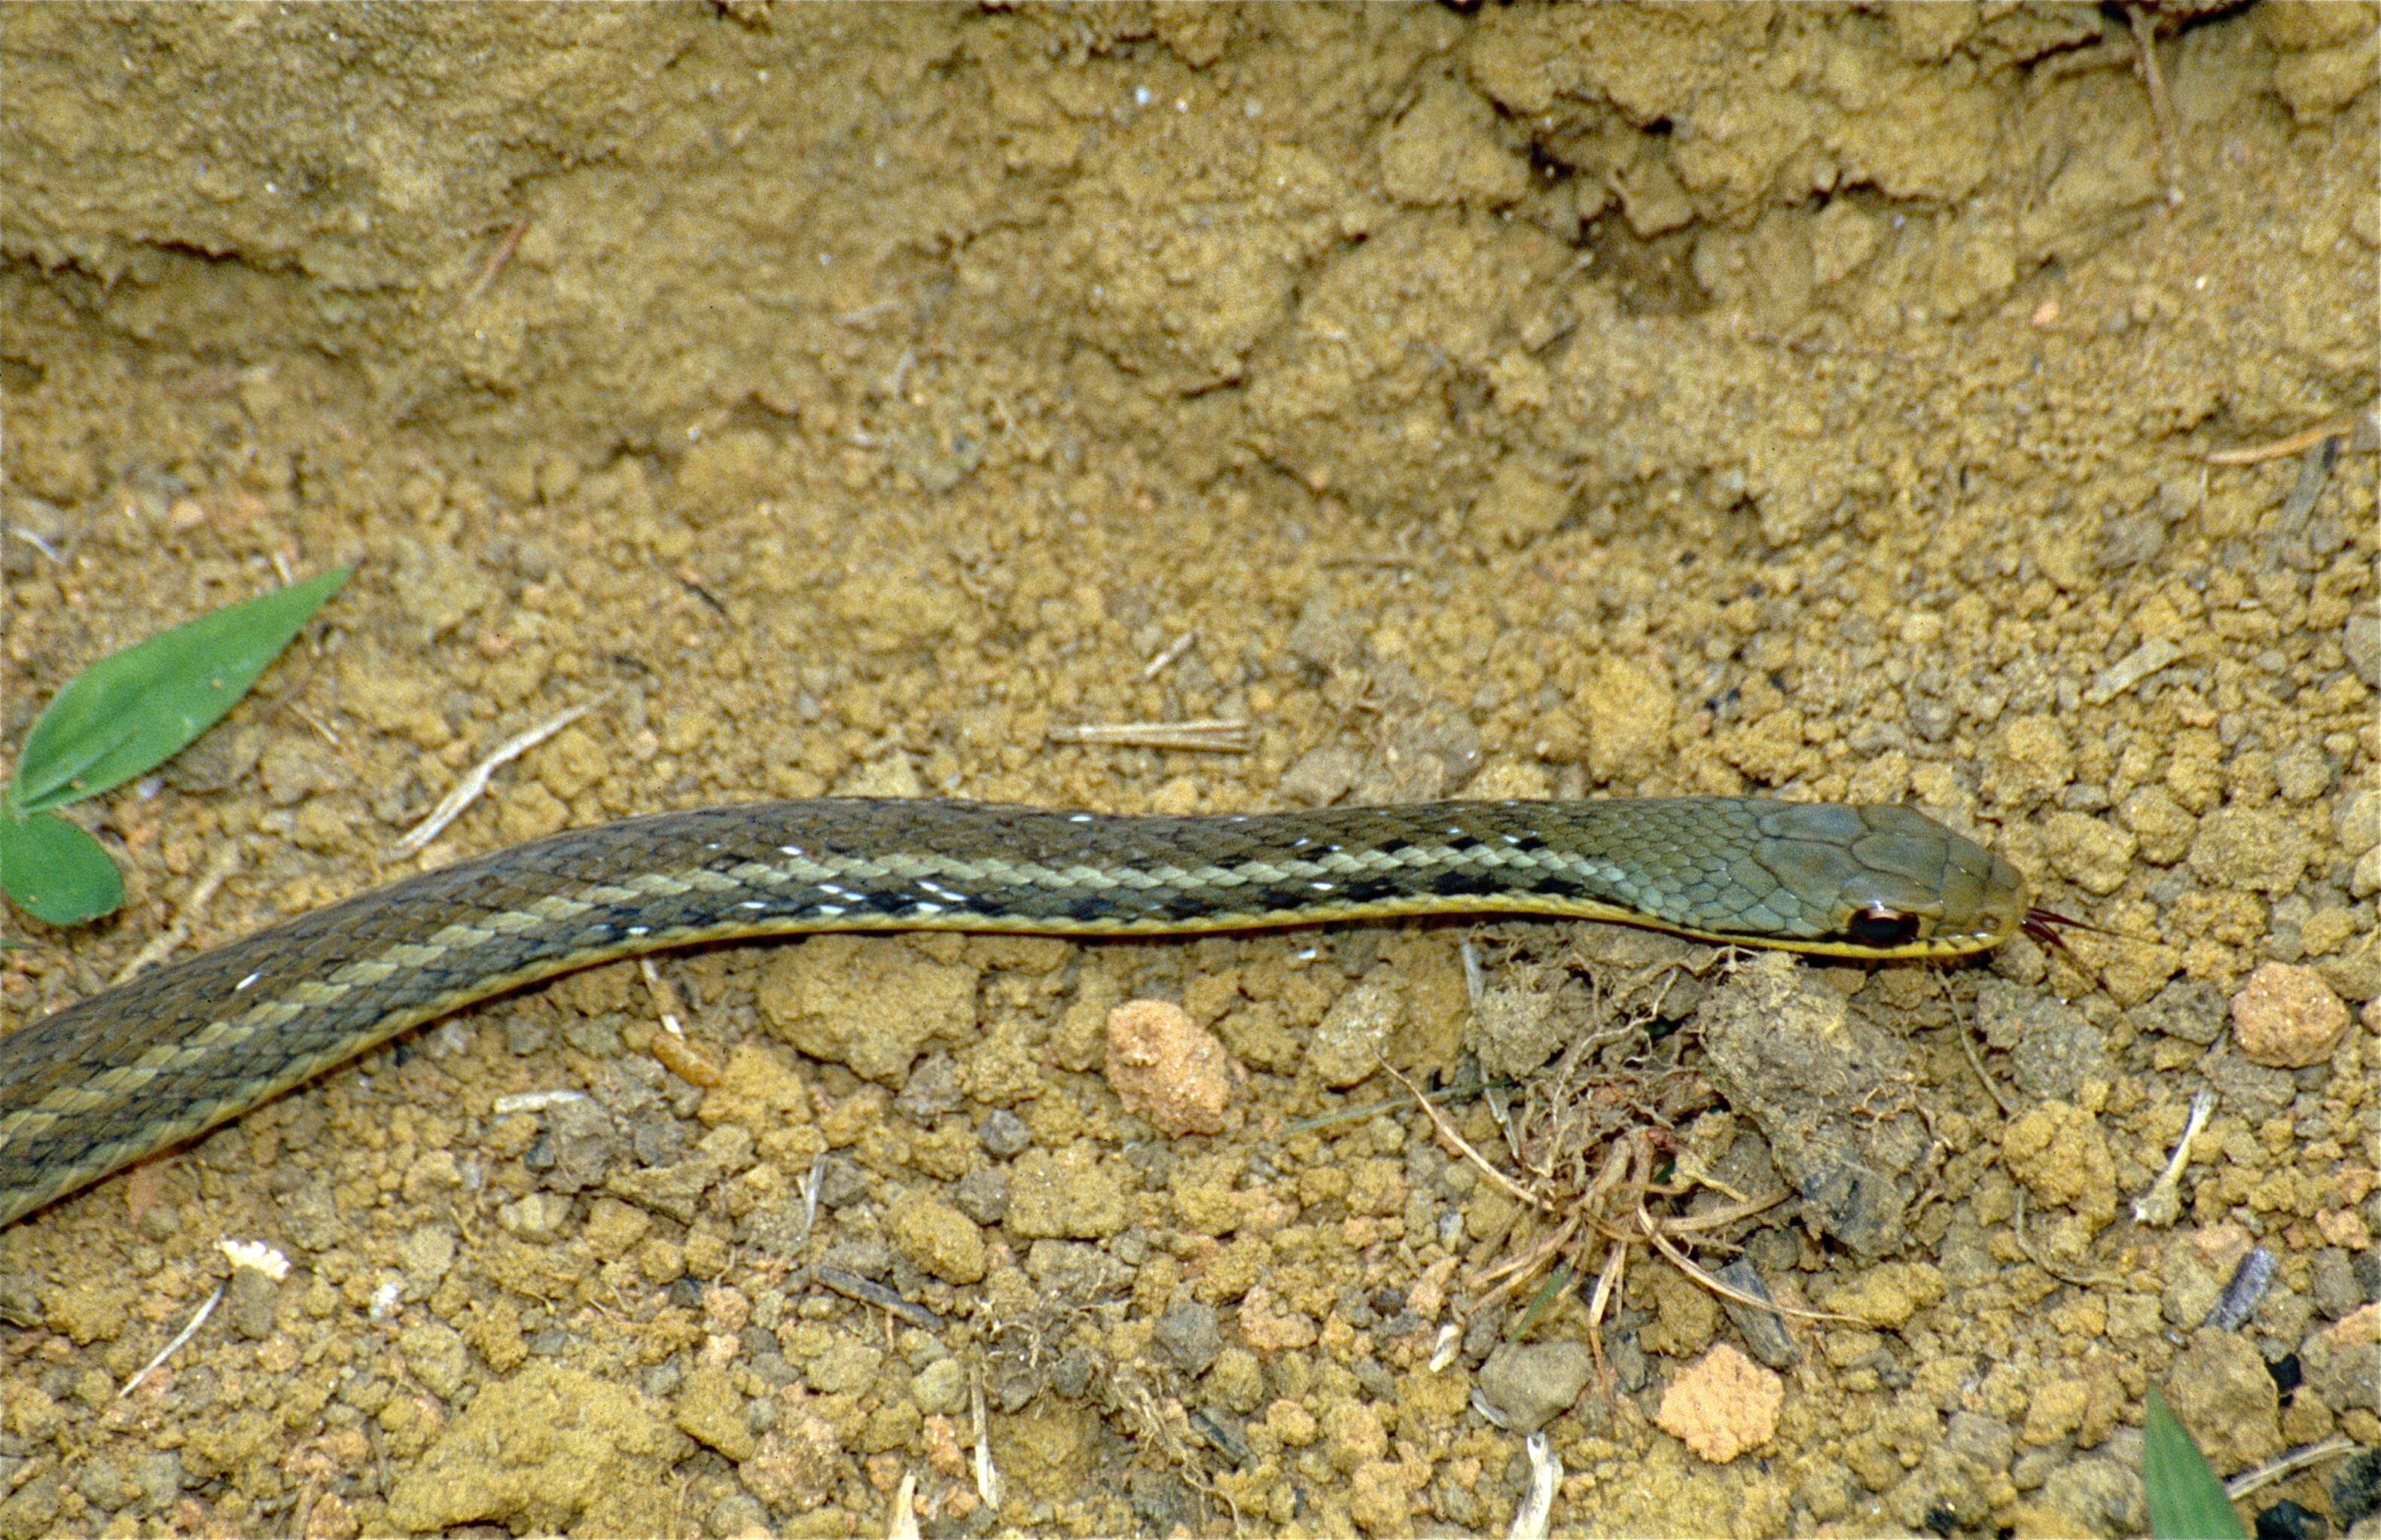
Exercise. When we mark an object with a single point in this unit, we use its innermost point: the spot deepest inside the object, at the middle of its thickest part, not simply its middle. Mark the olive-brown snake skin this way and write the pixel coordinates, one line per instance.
(93, 1087)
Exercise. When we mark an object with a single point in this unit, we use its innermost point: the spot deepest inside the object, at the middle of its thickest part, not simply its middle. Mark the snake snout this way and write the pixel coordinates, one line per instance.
(1923, 888)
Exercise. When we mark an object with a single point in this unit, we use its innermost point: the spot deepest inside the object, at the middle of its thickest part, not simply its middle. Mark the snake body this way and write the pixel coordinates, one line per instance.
(90, 1089)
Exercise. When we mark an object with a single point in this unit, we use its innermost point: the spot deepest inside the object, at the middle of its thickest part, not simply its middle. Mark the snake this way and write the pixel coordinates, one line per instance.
(124, 1073)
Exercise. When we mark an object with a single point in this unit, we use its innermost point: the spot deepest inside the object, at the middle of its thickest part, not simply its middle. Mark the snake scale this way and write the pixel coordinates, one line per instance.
(93, 1087)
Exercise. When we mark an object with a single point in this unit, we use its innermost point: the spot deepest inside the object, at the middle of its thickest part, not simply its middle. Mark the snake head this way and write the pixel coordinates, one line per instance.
(1897, 882)
(1925, 891)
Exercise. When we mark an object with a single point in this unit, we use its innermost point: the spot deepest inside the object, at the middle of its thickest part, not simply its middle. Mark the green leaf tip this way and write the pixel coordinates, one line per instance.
(54, 872)
(134, 709)
(2186, 1500)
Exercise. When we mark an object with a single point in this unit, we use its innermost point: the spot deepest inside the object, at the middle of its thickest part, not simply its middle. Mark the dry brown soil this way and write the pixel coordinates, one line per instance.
(1606, 400)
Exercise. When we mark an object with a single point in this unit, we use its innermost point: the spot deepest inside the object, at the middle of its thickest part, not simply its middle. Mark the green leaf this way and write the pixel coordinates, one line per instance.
(133, 710)
(54, 872)
(2186, 1500)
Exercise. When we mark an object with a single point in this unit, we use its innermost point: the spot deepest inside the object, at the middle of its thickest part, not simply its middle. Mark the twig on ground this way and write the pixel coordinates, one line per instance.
(475, 780)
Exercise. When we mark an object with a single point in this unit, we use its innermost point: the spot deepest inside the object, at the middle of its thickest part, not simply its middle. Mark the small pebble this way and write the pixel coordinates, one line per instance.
(2342, 1361)
(20, 1304)
(250, 1300)
(2356, 1489)
(1071, 1195)
(536, 1218)
(2223, 1393)
(867, 1255)
(1190, 1334)
(2190, 1009)
(2332, 1283)
(1354, 1035)
(2356, 826)
(937, 1236)
(2054, 1049)
(982, 1194)
(2131, 670)
(711, 1410)
(2286, 1016)
(941, 1388)
(2360, 640)
(840, 1183)
(1764, 1330)
(932, 1089)
(101, 1482)
(738, 1514)
(1722, 1405)
(579, 1148)
(1005, 1133)
(1169, 1069)
(2255, 849)
(2287, 1521)
(1528, 1385)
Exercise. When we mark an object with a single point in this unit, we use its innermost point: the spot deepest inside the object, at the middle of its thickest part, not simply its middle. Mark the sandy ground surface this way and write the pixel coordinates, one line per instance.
(1518, 401)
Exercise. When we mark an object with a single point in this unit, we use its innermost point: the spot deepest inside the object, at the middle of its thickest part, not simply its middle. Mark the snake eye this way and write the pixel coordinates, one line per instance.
(1883, 928)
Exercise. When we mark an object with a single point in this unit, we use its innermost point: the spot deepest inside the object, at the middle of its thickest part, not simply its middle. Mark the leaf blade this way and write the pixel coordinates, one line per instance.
(55, 872)
(137, 707)
(2186, 1501)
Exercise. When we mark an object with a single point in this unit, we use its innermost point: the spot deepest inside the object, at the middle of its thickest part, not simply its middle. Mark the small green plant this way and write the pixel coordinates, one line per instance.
(121, 718)
(2186, 1500)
